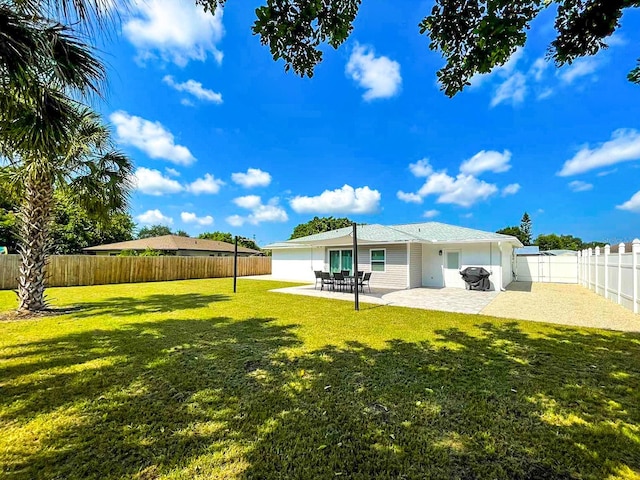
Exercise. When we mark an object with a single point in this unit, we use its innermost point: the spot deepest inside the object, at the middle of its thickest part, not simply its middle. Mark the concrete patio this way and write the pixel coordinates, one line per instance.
(444, 299)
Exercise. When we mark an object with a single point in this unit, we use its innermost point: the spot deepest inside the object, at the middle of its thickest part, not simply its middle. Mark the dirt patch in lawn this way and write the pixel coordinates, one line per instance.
(563, 304)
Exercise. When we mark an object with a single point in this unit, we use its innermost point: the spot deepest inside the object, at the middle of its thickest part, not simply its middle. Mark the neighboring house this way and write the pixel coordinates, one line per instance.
(399, 256)
(174, 245)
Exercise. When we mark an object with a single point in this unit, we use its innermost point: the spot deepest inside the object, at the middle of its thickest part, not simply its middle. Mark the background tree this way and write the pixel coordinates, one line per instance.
(227, 237)
(181, 233)
(154, 231)
(217, 236)
(525, 228)
(319, 225)
(514, 232)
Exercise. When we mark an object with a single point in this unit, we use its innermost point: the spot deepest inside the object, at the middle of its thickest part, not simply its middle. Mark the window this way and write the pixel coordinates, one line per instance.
(453, 260)
(378, 260)
(340, 260)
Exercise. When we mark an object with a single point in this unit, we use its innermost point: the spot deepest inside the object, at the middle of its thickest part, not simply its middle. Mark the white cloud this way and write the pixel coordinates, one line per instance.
(254, 177)
(154, 217)
(207, 185)
(188, 217)
(150, 137)
(580, 68)
(380, 76)
(194, 88)
(260, 213)
(631, 205)
(511, 189)
(616, 40)
(487, 161)
(463, 190)
(172, 171)
(152, 182)
(422, 168)
(431, 213)
(580, 186)
(235, 220)
(607, 172)
(512, 90)
(624, 146)
(538, 68)
(546, 93)
(174, 30)
(248, 201)
(341, 200)
(409, 197)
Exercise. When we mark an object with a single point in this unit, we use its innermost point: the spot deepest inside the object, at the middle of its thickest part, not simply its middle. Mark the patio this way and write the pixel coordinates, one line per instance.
(443, 299)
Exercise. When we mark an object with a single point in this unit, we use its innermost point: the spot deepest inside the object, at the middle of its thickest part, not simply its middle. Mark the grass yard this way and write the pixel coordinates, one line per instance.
(184, 380)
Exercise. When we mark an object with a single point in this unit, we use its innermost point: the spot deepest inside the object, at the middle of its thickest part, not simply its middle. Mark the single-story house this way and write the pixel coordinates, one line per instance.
(399, 256)
(174, 245)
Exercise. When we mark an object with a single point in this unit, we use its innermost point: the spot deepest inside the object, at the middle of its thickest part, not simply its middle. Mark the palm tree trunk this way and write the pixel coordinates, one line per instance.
(34, 246)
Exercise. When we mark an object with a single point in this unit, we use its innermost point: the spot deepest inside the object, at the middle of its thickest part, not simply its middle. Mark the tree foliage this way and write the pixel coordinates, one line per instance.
(514, 232)
(319, 225)
(563, 242)
(154, 231)
(473, 36)
(525, 228)
(227, 237)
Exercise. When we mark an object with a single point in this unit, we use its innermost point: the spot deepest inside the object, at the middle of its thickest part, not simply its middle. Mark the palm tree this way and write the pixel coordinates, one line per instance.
(49, 139)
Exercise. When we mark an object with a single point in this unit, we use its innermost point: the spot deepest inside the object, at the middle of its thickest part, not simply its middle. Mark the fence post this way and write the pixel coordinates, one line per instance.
(579, 267)
(621, 248)
(635, 249)
(589, 253)
(607, 252)
(597, 254)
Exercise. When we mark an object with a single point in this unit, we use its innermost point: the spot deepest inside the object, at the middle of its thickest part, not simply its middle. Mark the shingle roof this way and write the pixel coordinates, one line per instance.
(431, 232)
(170, 243)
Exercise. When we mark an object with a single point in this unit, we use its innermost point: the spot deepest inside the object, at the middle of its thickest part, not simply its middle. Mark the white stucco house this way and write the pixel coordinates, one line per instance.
(399, 256)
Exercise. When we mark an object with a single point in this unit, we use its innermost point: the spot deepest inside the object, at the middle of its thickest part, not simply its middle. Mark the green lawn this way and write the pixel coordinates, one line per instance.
(184, 380)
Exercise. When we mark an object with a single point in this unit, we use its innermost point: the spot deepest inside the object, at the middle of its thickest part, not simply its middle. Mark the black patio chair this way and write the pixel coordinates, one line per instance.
(326, 280)
(339, 281)
(364, 280)
(318, 274)
(346, 273)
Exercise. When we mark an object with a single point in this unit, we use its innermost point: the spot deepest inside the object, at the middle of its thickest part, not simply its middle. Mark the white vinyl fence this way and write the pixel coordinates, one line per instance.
(547, 269)
(614, 276)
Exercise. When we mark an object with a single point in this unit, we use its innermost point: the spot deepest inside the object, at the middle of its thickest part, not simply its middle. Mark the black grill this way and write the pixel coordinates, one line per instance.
(477, 278)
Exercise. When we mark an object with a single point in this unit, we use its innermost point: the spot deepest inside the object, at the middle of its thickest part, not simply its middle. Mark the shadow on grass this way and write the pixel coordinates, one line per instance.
(220, 398)
(143, 305)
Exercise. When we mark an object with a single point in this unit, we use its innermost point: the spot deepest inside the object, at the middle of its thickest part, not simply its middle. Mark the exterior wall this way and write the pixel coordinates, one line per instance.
(415, 265)
(395, 274)
(297, 264)
(508, 265)
(471, 255)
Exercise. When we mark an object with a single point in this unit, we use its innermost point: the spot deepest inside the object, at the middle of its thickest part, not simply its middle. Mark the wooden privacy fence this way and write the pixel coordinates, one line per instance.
(77, 270)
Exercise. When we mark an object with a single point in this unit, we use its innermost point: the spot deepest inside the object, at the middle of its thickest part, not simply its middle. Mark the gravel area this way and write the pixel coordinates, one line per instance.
(564, 304)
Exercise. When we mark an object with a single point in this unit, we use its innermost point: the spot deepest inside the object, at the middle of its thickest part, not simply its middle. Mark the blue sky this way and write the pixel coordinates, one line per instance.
(224, 139)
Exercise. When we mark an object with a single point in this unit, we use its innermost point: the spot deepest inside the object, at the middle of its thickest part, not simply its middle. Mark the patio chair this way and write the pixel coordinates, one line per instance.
(360, 274)
(326, 280)
(364, 280)
(339, 281)
(346, 273)
(318, 274)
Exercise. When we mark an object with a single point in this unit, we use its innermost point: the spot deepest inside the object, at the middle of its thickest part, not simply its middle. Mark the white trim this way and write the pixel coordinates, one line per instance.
(329, 250)
(378, 261)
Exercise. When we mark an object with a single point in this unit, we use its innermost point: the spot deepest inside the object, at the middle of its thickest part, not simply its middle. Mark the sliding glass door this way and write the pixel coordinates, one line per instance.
(340, 260)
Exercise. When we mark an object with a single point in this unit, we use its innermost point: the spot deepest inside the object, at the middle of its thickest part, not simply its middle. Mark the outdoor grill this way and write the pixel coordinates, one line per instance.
(477, 278)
